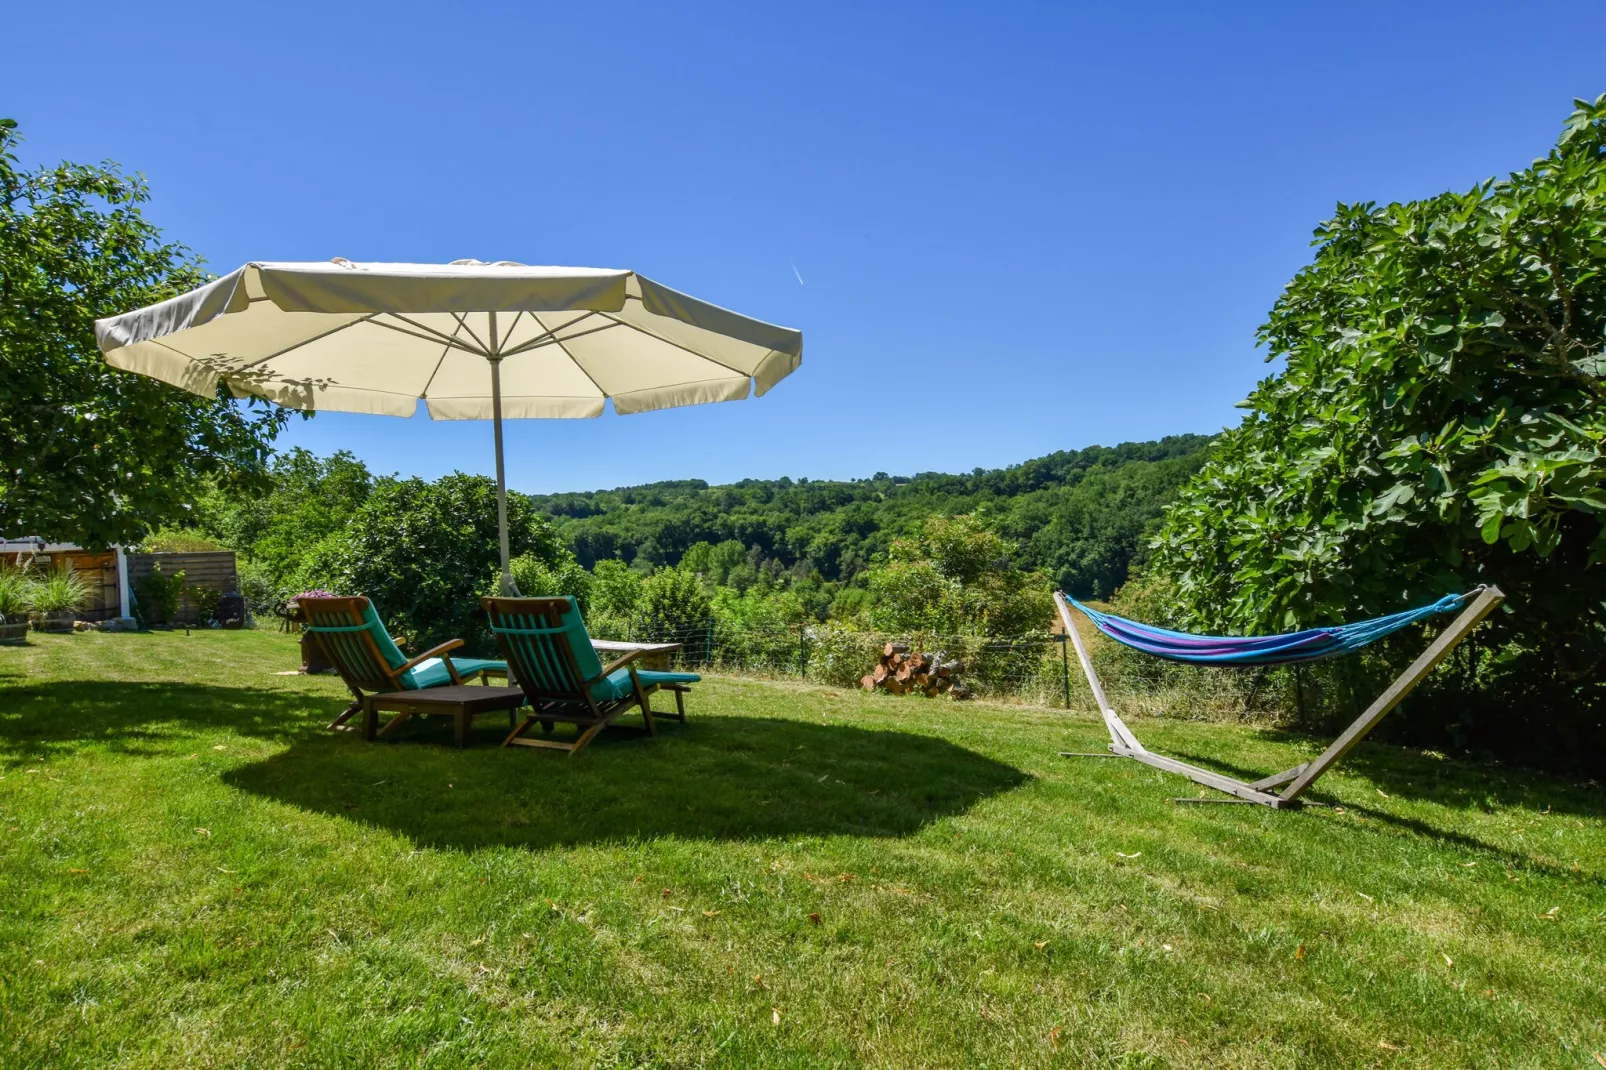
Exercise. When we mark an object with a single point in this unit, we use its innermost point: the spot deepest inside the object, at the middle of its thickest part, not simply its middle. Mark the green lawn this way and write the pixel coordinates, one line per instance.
(194, 872)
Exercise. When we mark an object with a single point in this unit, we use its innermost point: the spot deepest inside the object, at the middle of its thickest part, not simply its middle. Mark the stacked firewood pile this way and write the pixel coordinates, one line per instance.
(902, 672)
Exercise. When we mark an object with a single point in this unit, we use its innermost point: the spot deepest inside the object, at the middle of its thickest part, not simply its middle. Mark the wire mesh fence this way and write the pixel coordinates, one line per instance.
(1033, 668)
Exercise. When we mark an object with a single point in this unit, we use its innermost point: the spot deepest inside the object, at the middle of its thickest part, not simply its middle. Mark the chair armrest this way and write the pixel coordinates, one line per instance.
(621, 662)
(434, 651)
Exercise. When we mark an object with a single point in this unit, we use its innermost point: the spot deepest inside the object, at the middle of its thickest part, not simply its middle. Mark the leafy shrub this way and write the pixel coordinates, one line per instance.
(537, 577)
(422, 551)
(616, 593)
(674, 606)
(206, 601)
(160, 594)
(261, 594)
(955, 578)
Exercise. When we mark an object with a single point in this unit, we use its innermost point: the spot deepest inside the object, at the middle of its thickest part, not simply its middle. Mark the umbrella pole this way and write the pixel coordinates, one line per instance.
(508, 589)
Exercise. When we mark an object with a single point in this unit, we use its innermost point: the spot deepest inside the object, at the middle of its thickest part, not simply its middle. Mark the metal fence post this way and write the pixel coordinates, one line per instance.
(1065, 668)
(802, 651)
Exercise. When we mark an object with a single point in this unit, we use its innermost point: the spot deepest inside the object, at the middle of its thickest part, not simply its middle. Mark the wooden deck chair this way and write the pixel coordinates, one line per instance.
(356, 643)
(549, 655)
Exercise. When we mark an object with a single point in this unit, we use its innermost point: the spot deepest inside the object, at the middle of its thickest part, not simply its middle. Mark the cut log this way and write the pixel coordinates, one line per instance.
(904, 673)
(919, 662)
(879, 673)
(867, 681)
(894, 648)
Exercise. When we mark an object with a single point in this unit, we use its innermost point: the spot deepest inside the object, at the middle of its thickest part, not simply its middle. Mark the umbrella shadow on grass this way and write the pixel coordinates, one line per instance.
(725, 778)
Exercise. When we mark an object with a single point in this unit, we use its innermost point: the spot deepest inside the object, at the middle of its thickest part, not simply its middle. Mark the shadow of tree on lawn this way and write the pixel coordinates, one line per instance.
(716, 777)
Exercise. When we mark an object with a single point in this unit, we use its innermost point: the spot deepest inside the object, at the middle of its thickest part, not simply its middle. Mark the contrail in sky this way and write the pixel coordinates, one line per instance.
(796, 272)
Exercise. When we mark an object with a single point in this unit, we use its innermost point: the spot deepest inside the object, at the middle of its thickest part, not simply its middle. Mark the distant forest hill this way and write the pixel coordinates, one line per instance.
(1081, 517)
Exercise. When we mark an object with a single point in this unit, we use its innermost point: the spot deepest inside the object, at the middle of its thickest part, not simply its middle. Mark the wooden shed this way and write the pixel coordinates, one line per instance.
(113, 576)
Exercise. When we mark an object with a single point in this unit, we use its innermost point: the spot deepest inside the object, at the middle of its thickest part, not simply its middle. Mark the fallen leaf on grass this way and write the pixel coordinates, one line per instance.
(78, 871)
(1386, 1046)
(1123, 854)
(815, 918)
(1054, 1037)
(1468, 865)
(1338, 809)
(711, 913)
(758, 981)
(1381, 792)
(664, 894)
(219, 747)
(1366, 897)
(1040, 944)
(1599, 1058)
(1550, 915)
(192, 756)
(204, 832)
(1299, 952)
(1448, 961)
(775, 1015)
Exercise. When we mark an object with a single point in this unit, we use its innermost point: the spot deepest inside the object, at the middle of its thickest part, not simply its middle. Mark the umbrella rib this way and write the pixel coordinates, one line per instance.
(677, 345)
(583, 371)
(298, 345)
(462, 321)
(551, 336)
(429, 334)
(445, 349)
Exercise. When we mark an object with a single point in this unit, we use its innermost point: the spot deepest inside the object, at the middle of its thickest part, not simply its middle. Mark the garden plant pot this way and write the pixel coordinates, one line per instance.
(13, 632)
(55, 621)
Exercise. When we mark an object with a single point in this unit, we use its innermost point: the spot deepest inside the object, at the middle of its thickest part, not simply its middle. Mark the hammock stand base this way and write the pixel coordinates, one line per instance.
(1125, 744)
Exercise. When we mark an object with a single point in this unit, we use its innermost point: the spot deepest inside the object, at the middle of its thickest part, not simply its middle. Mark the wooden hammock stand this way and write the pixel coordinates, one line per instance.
(1124, 743)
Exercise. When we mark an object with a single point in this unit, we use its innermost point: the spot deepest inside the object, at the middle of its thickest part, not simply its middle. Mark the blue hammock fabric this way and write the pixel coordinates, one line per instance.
(1315, 644)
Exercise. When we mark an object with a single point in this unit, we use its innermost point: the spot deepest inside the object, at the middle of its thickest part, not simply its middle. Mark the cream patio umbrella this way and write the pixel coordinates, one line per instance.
(474, 340)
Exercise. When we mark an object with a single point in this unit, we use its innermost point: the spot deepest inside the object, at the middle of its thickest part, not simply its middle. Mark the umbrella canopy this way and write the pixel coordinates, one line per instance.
(474, 340)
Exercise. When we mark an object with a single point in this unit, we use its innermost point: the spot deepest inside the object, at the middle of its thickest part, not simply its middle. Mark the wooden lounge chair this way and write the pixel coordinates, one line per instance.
(356, 643)
(549, 654)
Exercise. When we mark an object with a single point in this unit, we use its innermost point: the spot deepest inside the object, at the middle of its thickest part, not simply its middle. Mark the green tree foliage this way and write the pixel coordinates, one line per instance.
(92, 454)
(536, 576)
(955, 578)
(674, 605)
(422, 551)
(1082, 517)
(1439, 423)
(309, 499)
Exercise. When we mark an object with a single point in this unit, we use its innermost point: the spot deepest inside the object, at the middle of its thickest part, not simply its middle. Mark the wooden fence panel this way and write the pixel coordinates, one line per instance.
(213, 568)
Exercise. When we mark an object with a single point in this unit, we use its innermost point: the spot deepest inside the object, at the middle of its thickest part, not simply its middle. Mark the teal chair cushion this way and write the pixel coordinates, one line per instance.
(617, 683)
(433, 672)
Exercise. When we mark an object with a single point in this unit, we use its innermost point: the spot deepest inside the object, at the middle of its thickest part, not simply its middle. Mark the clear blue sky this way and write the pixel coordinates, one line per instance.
(1019, 228)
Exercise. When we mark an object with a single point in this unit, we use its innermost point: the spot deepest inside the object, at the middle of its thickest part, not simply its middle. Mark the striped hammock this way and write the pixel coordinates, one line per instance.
(1316, 644)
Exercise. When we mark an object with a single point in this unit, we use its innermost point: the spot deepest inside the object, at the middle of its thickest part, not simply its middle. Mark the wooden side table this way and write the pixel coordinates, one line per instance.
(462, 701)
(655, 658)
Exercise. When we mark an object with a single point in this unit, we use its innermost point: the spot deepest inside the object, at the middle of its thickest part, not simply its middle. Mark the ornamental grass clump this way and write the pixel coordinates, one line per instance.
(58, 592)
(16, 594)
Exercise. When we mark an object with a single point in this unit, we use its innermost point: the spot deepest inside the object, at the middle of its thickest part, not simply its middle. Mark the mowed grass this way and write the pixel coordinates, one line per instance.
(194, 872)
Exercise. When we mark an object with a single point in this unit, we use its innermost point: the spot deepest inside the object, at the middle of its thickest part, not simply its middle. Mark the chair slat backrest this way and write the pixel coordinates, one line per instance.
(546, 645)
(355, 641)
